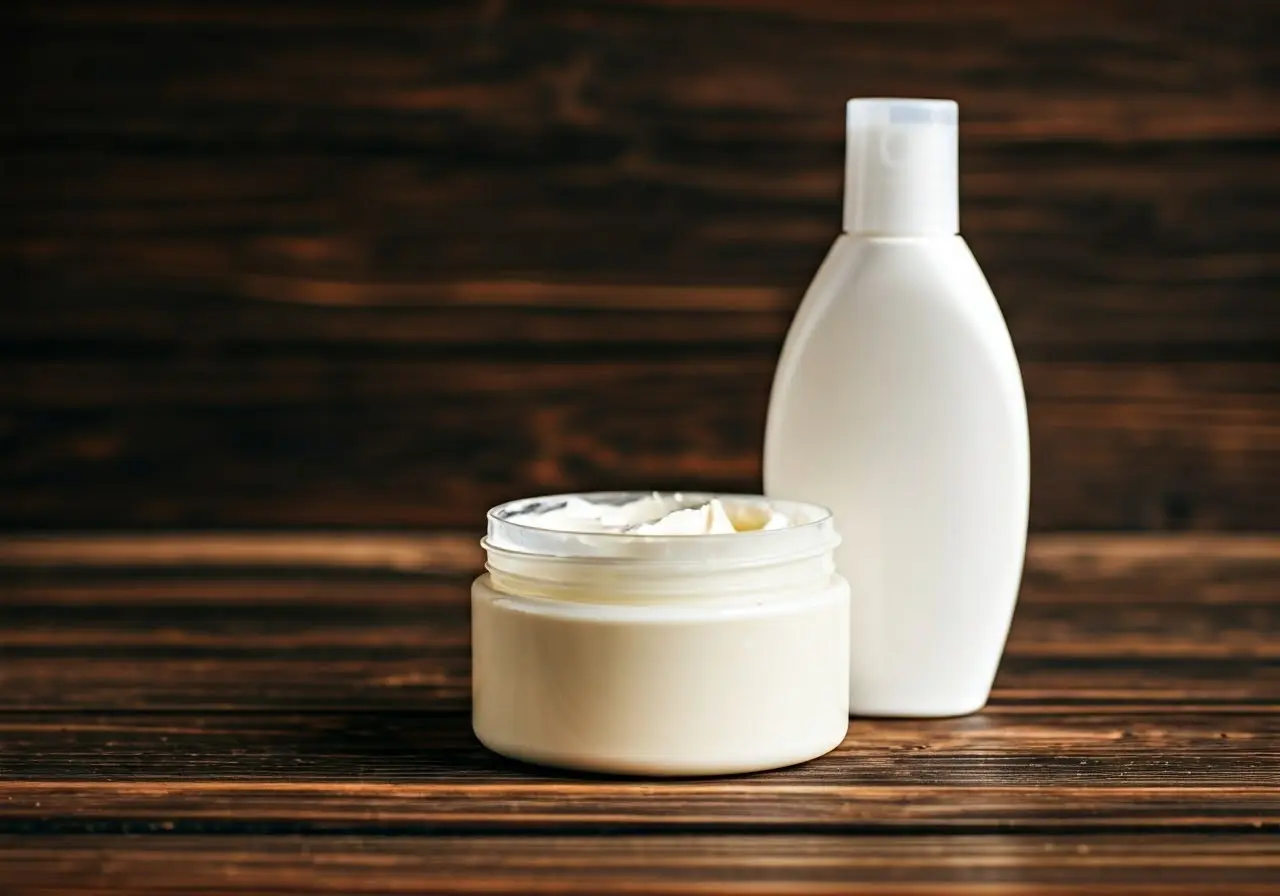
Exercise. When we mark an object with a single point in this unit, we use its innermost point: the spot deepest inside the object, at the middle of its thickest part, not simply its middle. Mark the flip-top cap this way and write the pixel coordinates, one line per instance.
(901, 167)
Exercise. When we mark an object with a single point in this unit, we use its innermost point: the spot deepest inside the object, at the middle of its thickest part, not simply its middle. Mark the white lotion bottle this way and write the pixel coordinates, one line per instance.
(898, 404)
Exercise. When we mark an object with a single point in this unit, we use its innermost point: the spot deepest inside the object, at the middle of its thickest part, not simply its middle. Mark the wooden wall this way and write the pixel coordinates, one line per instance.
(276, 264)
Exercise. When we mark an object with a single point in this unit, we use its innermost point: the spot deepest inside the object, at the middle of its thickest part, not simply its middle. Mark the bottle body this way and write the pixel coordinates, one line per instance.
(898, 404)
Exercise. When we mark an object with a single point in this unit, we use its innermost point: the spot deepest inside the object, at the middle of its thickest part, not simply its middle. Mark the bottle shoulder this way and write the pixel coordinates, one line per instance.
(940, 270)
(894, 323)
(898, 367)
(873, 288)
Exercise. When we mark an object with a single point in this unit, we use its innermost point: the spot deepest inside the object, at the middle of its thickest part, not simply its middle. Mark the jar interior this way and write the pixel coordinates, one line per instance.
(810, 530)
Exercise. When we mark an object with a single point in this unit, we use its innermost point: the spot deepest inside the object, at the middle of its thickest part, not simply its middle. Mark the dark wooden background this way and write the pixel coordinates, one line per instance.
(274, 264)
(370, 266)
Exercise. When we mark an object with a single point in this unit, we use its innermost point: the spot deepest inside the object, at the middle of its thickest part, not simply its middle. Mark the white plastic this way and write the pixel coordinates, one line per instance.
(901, 170)
(660, 654)
(898, 403)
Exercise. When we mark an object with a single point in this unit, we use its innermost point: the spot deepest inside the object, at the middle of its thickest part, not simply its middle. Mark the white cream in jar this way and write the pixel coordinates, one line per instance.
(660, 634)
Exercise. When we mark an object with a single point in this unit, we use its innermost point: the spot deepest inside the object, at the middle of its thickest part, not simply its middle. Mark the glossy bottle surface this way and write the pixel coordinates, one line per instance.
(898, 403)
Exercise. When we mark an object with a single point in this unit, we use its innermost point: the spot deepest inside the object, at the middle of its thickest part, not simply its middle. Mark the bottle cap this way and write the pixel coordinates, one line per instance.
(901, 168)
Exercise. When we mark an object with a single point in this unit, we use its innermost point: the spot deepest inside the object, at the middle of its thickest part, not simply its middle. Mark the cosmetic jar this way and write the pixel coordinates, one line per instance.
(660, 654)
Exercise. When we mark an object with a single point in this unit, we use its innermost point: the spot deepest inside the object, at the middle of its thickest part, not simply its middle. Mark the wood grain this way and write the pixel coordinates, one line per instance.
(340, 443)
(466, 799)
(315, 265)
(329, 754)
(1163, 623)
(244, 73)
(259, 689)
(1058, 864)
(368, 251)
(365, 270)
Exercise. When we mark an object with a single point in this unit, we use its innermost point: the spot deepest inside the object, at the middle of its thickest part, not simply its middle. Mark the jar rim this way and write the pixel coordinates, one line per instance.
(815, 531)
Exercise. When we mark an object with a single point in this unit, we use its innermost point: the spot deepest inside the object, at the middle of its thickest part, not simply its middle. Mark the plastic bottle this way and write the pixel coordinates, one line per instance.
(898, 403)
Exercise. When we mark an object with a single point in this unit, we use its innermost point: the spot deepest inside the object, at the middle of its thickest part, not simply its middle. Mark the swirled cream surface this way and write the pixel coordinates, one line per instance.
(656, 514)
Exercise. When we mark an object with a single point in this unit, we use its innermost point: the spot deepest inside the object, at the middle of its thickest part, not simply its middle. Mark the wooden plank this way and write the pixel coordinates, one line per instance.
(184, 628)
(358, 186)
(402, 77)
(329, 249)
(334, 751)
(1060, 567)
(290, 380)
(326, 693)
(441, 553)
(567, 805)
(1033, 864)
(401, 679)
(354, 170)
(340, 443)
(239, 619)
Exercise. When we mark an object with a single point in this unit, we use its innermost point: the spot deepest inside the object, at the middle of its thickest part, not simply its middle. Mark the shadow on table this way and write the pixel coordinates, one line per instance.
(423, 747)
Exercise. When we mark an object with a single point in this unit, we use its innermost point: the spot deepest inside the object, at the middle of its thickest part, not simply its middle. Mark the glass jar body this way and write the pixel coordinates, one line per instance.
(705, 682)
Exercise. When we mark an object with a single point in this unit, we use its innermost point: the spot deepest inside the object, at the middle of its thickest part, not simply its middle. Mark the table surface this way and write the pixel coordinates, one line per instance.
(288, 713)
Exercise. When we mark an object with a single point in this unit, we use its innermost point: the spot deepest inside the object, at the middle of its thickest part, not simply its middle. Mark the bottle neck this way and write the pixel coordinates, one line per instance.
(898, 214)
(901, 237)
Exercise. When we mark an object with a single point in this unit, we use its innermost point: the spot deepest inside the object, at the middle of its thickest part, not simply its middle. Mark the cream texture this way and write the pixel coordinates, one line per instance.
(657, 514)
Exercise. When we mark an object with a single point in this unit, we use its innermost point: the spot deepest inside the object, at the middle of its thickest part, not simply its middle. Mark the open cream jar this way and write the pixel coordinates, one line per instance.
(664, 634)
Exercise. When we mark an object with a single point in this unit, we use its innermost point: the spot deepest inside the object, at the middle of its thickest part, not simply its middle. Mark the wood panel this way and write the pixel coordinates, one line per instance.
(262, 688)
(1142, 252)
(222, 623)
(1114, 864)
(266, 75)
(325, 266)
(484, 805)
(341, 443)
(121, 755)
(355, 158)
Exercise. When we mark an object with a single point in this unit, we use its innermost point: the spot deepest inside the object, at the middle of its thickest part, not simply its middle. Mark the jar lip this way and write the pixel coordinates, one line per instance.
(814, 531)
(502, 554)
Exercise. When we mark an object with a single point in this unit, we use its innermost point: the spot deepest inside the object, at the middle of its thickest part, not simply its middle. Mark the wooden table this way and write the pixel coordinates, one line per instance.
(284, 713)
